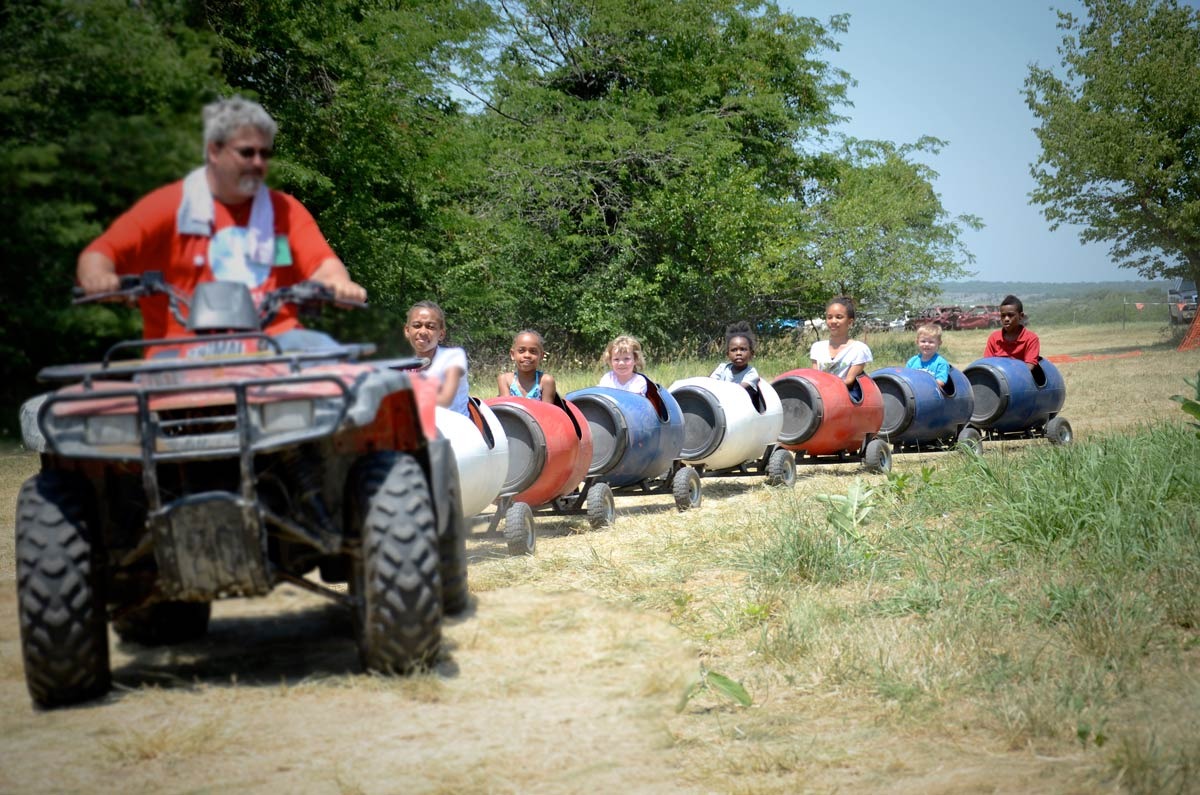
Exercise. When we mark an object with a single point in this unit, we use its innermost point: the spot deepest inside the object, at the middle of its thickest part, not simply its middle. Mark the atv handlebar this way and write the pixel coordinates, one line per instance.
(132, 287)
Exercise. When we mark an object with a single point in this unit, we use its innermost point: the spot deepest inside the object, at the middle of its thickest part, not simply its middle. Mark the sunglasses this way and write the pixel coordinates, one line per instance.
(248, 152)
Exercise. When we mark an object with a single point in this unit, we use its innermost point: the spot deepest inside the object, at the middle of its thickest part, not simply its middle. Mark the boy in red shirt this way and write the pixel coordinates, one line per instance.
(1012, 339)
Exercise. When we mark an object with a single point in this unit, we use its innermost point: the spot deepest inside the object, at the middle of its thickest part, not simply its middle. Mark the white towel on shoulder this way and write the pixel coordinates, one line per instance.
(195, 216)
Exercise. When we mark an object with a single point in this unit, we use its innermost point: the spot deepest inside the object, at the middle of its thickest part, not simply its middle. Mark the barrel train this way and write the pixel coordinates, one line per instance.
(573, 456)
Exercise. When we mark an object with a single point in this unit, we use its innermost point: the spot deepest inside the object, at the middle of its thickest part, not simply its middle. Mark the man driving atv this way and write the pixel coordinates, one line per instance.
(221, 222)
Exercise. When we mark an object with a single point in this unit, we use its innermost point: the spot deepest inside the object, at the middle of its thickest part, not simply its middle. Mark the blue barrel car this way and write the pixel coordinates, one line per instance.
(1014, 400)
(920, 415)
(637, 440)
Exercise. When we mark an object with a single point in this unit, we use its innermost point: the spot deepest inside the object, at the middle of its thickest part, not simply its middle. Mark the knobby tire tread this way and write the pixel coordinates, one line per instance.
(401, 589)
(64, 631)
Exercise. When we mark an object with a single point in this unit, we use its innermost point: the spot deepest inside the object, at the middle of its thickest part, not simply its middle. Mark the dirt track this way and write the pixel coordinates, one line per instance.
(545, 692)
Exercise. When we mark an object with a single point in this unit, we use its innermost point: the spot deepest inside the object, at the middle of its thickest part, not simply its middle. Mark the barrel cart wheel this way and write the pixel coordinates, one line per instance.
(970, 440)
(1058, 431)
(601, 508)
(878, 456)
(685, 485)
(781, 468)
(518, 530)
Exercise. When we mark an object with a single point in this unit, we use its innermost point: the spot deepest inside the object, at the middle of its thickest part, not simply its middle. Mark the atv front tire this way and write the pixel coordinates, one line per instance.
(396, 581)
(64, 629)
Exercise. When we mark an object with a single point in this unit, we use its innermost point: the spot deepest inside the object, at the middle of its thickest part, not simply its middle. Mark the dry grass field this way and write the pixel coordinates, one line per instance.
(571, 672)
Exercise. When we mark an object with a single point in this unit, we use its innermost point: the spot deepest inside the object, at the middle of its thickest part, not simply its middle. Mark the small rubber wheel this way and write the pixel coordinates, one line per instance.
(878, 456)
(781, 468)
(970, 440)
(601, 508)
(686, 488)
(518, 530)
(1058, 431)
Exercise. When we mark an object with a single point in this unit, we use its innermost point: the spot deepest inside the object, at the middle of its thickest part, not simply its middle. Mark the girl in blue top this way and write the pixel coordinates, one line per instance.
(929, 339)
(527, 380)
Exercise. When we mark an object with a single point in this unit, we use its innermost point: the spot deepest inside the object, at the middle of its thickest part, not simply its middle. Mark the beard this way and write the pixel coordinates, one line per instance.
(248, 184)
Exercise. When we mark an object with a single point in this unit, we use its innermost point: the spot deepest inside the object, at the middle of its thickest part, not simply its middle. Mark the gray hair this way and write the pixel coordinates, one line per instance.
(223, 118)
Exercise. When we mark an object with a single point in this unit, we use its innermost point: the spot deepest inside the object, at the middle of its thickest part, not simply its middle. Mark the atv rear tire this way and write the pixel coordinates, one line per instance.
(397, 582)
(64, 630)
(164, 623)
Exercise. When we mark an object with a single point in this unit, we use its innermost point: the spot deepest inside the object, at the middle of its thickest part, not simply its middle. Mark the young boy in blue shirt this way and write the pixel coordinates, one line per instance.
(929, 339)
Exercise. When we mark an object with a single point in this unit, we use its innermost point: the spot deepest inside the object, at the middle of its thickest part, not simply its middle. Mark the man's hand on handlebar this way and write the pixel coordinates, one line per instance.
(346, 291)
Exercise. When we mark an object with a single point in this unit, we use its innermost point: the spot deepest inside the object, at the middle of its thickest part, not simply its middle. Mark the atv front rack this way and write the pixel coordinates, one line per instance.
(128, 368)
(225, 418)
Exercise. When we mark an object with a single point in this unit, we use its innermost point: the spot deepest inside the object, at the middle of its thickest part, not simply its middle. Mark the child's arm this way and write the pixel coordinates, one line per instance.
(450, 380)
(549, 390)
(941, 370)
(503, 382)
(853, 373)
(1033, 348)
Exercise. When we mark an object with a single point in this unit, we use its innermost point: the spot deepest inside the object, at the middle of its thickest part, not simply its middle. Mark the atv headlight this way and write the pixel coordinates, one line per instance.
(103, 429)
(286, 415)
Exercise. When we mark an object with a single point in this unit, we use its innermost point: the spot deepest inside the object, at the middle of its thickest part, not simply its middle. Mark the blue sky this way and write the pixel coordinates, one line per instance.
(956, 71)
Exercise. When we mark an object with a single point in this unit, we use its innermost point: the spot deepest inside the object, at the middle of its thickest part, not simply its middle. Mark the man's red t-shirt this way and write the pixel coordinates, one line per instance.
(145, 239)
(1026, 347)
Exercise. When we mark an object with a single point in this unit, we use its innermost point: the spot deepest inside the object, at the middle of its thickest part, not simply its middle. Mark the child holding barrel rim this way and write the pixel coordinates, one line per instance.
(840, 355)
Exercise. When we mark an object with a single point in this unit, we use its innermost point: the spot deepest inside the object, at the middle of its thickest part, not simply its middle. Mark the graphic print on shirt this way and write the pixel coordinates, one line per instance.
(229, 259)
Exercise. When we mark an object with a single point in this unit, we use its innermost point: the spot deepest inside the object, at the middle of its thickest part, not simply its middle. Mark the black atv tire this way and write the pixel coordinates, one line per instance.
(452, 540)
(164, 623)
(397, 579)
(64, 627)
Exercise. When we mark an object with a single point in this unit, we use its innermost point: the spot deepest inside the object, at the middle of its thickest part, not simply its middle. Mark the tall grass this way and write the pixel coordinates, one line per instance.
(1027, 588)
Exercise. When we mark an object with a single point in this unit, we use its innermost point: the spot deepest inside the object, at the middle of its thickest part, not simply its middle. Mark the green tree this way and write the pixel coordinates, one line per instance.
(370, 138)
(1120, 132)
(99, 103)
(880, 231)
(646, 160)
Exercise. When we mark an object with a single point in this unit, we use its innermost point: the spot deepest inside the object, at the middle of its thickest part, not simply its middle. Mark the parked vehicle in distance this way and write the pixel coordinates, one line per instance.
(869, 321)
(980, 316)
(944, 315)
(1181, 301)
(900, 323)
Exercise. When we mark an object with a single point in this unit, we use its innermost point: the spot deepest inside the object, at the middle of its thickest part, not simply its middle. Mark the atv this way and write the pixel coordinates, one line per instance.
(221, 465)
